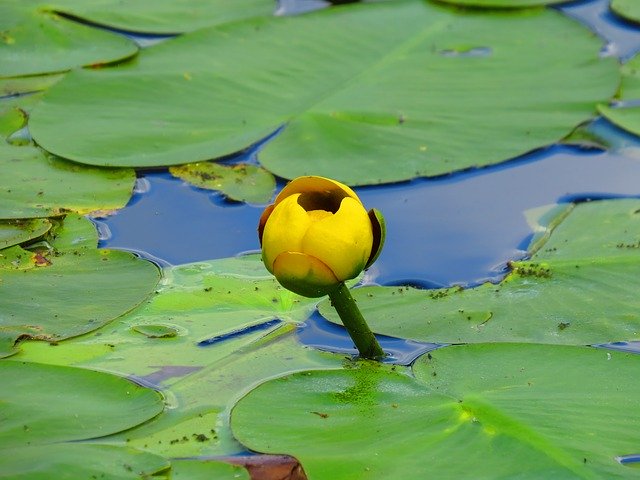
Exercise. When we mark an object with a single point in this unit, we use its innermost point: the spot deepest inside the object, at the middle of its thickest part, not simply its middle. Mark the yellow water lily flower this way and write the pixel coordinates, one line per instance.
(318, 234)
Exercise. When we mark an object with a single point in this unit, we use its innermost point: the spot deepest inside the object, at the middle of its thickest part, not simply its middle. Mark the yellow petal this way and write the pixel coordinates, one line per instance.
(284, 230)
(314, 184)
(303, 274)
(342, 241)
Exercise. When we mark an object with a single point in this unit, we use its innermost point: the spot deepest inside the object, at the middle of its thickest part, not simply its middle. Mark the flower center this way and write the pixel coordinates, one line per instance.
(328, 200)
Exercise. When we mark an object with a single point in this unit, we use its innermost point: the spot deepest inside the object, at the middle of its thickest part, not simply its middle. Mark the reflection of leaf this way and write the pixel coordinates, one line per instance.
(580, 286)
(34, 41)
(35, 184)
(243, 182)
(44, 405)
(478, 411)
(430, 92)
(72, 289)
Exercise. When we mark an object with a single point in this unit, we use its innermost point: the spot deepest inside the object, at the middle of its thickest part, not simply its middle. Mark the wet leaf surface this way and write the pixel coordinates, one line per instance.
(359, 111)
(476, 411)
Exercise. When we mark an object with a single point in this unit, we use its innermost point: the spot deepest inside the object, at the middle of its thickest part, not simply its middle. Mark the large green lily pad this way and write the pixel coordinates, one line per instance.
(241, 182)
(72, 289)
(36, 184)
(477, 411)
(627, 117)
(364, 100)
(35, 41)
(13, 232)
(628, 9)
(44, 405)
(579, 287)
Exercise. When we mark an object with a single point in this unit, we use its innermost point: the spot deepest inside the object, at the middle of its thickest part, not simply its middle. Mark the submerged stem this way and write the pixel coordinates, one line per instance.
(354, 322)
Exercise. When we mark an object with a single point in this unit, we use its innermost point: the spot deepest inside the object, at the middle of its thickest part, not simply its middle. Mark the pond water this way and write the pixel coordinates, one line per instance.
(459, 229)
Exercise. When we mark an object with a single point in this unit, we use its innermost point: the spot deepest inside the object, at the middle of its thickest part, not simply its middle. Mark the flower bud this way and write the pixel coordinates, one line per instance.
(317, 234)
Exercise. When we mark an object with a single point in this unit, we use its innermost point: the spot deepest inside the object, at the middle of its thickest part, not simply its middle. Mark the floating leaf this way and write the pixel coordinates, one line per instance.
(36, 184)
(11, 117)
(627, 117)
(162, 16)
(156, 331)
(21, 85)
(627, 9)
(72, 289)
(242, 182)
(35, 41)
(477, 411)
(80, 404)
(80, 460)
(13, 232)
(580, 286)
(431, 92)
(43, 405)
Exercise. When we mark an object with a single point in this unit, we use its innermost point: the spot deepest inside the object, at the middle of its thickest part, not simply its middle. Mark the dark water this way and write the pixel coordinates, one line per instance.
(456, 229)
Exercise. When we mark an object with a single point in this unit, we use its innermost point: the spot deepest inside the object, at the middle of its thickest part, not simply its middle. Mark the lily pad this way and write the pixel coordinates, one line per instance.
(477, 411)
(73, 288)
(13, 232)
(242, 182)
(36, 184)
(162, 16)
(80, 404)
(625, 116)
(78, 460)
(579, 287)
(22, 85)
(35, 41)
(434, 91)
(627, 9)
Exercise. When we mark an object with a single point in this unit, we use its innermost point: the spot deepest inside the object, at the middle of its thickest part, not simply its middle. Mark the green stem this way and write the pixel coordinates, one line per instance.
(355, 324)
